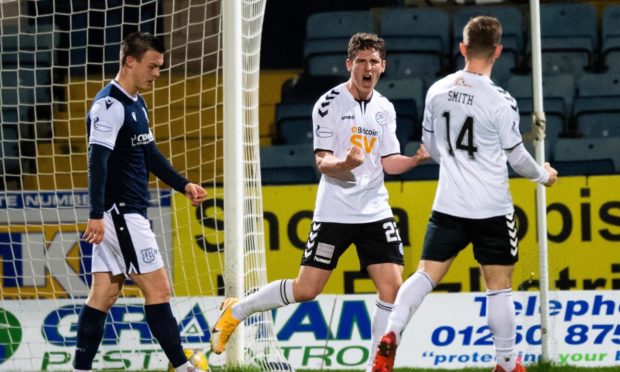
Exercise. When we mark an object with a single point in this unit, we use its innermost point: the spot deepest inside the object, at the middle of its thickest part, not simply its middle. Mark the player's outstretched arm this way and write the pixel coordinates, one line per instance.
(398, 164)
(523, 163)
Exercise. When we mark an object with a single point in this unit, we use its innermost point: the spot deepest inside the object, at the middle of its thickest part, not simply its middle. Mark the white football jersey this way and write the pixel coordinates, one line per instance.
(468, 123)
(339, 122)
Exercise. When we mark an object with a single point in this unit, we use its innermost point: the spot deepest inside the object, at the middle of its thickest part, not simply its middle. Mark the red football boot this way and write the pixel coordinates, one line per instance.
(386, 352)
(519, 367)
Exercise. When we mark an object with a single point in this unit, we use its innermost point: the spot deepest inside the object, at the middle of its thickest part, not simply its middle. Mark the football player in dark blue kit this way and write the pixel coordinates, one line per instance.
(121, 154)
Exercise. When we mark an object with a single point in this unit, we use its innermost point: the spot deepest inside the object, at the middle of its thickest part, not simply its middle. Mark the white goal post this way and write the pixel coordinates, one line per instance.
(55, 57)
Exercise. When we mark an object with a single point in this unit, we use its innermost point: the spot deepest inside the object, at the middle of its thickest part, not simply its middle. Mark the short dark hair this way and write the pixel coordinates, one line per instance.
(481, 35)
(363, 41)
(136, 44)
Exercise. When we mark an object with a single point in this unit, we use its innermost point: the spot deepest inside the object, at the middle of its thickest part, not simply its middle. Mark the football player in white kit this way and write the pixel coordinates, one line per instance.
(354, 144)
(121, 154)
(471, 128)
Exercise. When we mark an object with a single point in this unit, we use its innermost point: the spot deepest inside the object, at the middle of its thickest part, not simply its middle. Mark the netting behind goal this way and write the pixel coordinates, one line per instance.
(56, 55)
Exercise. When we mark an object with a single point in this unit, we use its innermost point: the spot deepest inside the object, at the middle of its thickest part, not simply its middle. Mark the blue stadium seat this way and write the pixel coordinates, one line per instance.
(556, 87)
(569, 37)
(407, 122)
(417, 40)
(407, 95)
(403, 89)
(294, 123)
(587, 156)
(327, 37)
(611, 37)
(512, 38)
(596, 112)
(288, 164)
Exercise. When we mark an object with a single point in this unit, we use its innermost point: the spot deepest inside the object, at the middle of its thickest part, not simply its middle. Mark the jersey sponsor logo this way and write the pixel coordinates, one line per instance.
(133, 115)
(381, 118)
(348, 117)
(360, 138)
(139, 139)
(101, 126)
(323, 132)
(365, 131)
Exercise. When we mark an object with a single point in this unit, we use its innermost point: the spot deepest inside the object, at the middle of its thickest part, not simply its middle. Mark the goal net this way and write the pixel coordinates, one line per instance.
(56, 55)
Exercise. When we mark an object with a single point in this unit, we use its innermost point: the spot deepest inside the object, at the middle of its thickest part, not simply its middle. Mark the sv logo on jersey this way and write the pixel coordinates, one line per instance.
(362, 142)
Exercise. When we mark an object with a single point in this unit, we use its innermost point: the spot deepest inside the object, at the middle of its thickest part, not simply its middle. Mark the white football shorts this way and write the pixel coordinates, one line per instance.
(128, 247)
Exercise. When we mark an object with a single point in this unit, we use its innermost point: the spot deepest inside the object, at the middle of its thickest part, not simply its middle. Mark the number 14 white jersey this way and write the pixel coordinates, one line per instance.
(468, 124)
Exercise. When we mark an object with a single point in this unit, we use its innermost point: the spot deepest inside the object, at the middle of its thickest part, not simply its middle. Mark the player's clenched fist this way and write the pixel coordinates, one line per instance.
(355, 157)
(195, 193)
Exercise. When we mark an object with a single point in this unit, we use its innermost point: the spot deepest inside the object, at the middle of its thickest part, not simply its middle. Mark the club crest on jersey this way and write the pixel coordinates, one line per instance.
(381, 118)
(148, 255)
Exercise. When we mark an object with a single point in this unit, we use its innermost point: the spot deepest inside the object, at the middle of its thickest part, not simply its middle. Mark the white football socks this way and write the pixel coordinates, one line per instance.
(379, 321)
(409, 298)
(273, 295)
(501, 321)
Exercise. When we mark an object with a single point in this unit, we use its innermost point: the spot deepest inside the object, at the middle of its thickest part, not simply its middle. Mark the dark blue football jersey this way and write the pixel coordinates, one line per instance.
(119, 122)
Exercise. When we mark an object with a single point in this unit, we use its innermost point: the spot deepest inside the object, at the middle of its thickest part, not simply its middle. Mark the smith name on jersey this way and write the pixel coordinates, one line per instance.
(340, 121)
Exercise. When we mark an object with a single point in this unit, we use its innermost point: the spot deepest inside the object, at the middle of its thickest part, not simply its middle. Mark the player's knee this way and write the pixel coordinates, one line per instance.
(103, 302)
(305, 293)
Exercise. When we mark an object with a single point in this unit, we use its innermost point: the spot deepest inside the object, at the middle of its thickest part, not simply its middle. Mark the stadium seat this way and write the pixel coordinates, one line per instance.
(555, 87)
(611, 37)
(407, 95)
(327, 37)
(417, 40)
(512, 38)
(596, 112)
(587, 156)
(569, 37)
(288, 164)
(558, 94)
(294, 123)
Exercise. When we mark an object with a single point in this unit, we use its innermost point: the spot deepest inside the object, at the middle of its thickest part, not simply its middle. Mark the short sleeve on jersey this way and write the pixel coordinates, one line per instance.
(508, 121)
(106, 119)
